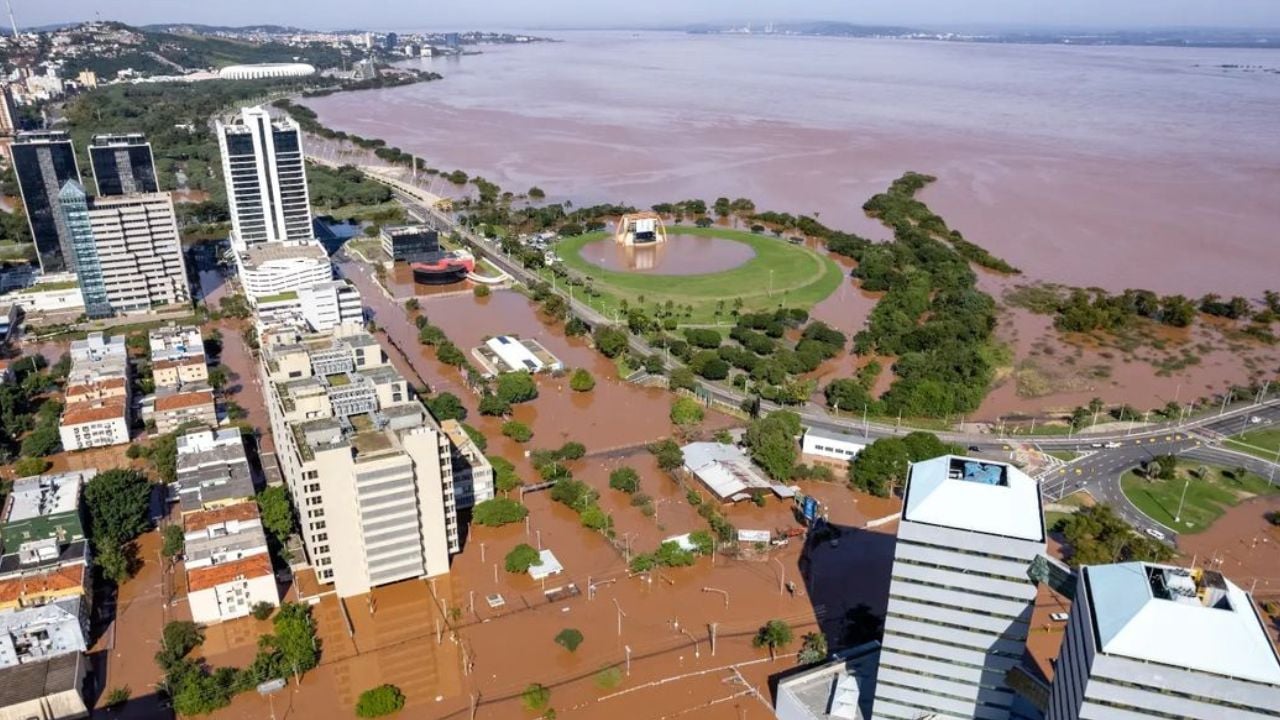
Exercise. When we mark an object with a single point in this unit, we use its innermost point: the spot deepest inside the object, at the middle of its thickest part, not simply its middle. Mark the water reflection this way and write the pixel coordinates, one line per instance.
(680, 255)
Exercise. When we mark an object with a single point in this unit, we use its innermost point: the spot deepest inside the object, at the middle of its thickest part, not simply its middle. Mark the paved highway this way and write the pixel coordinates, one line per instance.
(1106, 456)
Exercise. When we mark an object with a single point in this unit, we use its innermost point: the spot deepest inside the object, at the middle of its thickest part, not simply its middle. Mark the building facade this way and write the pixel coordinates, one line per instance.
(262, 162)
(409, 242)
(177, 356)
(98, 410)
(834, 449)
(123, 164)
(127, 249)
(274, 272)
(174, 409)
(960, 597)
(227, 564)
(370, 474)
(1156, 641)
(44, 162)
(329, 304)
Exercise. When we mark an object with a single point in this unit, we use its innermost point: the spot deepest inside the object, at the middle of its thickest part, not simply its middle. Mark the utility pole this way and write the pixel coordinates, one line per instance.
(782, 576)
(620, 616)
(712, 628)
(627, 649)
(1185, 485)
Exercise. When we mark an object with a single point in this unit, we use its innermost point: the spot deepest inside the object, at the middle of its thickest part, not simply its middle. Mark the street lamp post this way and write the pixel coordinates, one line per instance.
(782, 576)
(1185, 485)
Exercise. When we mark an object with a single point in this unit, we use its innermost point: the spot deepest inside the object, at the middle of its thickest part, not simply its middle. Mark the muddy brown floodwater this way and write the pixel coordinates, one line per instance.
(680, 255)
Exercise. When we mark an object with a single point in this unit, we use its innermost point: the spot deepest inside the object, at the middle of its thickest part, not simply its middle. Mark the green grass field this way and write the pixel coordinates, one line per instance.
(1262, 443)
(800, 277)
(1206, 498)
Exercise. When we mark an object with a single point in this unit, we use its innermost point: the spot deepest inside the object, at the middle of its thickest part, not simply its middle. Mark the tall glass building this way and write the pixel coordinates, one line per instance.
(266, 179)
(44, 162)
(123, 164)
(74, 207)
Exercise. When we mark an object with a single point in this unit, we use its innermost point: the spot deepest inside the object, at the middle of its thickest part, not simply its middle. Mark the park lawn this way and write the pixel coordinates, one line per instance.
(801, 277)
(1051, 518)
(389, 212)
(1261, 443)
(1206, 499)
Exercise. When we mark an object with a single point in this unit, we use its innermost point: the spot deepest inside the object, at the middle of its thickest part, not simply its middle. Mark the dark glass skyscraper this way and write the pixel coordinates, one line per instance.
(44, 162)
(123, 165)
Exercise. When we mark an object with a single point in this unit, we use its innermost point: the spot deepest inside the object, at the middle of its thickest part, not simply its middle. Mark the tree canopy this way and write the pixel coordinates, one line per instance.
(118, 502)
(379, 701)
(497, 512)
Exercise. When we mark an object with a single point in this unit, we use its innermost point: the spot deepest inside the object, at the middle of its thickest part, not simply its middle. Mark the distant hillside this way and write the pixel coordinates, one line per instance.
(164, 53)
(198, 29)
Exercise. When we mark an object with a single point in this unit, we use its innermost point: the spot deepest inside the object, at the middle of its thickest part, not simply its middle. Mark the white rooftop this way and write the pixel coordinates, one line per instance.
(171, 343)
(514, 354)
(45, 495)
(725, 469)
(547, 566)
(975, 495)
(1173, 616)
(205, 440)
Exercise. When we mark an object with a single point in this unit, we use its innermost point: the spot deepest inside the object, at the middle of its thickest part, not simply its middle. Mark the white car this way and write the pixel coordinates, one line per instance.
(1255, 419)
(1058, 617)
(1155, 533)
(1112, 445)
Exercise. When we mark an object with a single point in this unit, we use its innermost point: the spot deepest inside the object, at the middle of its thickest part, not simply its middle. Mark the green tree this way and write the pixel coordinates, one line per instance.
(847, 394)
(379, 701)
(670, 554)
(773, 635)
(278, 516)
(686, 411)
(481, 291)
(173, 543)
(118, 696)
(610, 341)
(118, 502)
(497, 512)
(446, 406)
(625, 479)
(514, 388)
(176, 640)
(295, 638)
(569, 639)
(880, 466)
(703, 541)
(669, 454)
(813, 648)
(517, 431)
(505, 478)
(262, 610)
(772, 442)
(1097, 536)
(682, 377)
(42, 441)
(218, 377)
(595, 518)
(493, 405)
(536, 697)
(581, 381)
(521, 558)
(449, 354)
(29, 466)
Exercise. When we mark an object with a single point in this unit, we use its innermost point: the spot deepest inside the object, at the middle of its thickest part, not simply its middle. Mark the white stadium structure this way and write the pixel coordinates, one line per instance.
(265, 70)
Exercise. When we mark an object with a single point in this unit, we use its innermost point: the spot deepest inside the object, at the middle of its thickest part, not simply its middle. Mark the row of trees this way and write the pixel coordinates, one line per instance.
(882, 466)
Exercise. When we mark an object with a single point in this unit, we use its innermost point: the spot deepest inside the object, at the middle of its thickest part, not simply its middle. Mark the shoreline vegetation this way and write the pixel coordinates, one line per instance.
(932, 320)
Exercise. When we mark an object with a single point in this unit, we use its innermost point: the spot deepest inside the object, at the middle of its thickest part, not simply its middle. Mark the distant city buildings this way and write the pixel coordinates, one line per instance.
(960, 598)
(44, 162)
(370, 472)
(123, 164)
(1157, 641)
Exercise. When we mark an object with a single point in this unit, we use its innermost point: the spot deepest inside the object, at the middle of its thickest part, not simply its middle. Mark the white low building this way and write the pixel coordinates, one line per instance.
(829, 445)
(329, 304)
(726, 471)
(259, 71)
(1155, 641)
(228, 568)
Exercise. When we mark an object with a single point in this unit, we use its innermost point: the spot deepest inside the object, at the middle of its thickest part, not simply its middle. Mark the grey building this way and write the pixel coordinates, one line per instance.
(123, 164)
(410, 242)
(1156, 641)
(840, 689)
(262, 163)
(44, 162)
(960, 597)
(73, 205)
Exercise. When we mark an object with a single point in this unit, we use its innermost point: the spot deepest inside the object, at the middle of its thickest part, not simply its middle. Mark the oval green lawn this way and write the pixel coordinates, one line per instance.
(801, 277)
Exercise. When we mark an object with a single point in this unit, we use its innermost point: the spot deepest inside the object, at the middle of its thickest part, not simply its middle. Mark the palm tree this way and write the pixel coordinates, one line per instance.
(773, 635)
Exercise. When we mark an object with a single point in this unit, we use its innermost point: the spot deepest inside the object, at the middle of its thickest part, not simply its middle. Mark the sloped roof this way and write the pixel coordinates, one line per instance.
(975, 495)
(215, 575)
(30, 681)
(1225, 638)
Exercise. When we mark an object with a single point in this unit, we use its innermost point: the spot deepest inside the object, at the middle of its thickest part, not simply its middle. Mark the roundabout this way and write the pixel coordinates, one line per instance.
(709, 269)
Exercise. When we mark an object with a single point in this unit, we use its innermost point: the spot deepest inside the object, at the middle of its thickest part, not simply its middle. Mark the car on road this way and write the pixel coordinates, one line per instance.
(974, 448)
(1095, 445)
(1112, 445)
(1058, 617)
(1255, 419)
(1155, 533)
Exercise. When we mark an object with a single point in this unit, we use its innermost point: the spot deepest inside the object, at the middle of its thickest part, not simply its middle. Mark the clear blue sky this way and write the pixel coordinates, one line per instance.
(480, 14)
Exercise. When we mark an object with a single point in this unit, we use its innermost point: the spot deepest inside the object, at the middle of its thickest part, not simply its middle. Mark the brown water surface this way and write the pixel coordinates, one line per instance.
(679, 255)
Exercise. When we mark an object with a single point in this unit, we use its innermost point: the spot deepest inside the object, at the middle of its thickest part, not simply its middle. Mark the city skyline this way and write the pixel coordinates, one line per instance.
(927, 14)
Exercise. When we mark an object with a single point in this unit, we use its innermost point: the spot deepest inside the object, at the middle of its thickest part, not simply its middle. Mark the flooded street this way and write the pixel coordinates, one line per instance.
(680, 255)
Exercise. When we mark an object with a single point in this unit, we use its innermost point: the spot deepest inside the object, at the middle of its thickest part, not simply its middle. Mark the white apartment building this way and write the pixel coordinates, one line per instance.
(370, 474)
(98, 398)
(177, 356)
(127, 251)
(329, 304)
(1155, 641)
(960, 598)
(275, 272)
(263, 164)
(226, 561)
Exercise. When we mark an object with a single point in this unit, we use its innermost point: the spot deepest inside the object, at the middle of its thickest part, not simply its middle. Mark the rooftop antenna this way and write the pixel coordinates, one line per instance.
(12, 21)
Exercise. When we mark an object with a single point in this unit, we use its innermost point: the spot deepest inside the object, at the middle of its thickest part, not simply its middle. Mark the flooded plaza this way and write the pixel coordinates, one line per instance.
(679, 255)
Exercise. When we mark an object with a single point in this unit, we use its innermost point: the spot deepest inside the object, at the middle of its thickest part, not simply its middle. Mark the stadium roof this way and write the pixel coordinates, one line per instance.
(975, 495)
